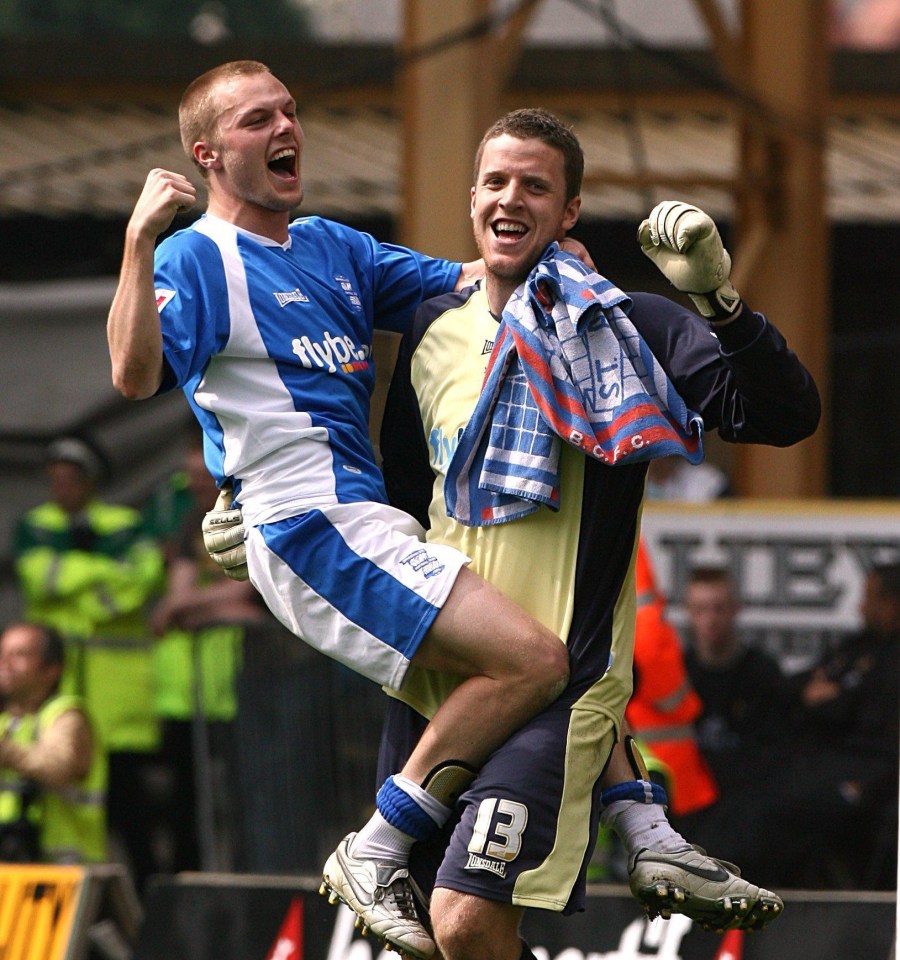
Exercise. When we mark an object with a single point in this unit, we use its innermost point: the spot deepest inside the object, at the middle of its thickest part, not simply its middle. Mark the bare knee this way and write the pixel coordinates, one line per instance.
(547, 666)
(472, 928)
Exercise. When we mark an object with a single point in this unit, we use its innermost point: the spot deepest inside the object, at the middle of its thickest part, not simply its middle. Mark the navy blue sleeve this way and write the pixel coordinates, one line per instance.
(408, 477)
(743, 379)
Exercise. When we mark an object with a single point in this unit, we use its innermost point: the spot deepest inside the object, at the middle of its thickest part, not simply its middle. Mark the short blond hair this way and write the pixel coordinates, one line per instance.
(198, 110)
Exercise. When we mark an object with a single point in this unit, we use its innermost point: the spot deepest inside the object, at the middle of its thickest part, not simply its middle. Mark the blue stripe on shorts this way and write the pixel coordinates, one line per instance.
(363, 592)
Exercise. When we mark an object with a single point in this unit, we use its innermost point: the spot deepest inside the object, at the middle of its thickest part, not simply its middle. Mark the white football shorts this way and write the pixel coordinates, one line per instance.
(355, 581)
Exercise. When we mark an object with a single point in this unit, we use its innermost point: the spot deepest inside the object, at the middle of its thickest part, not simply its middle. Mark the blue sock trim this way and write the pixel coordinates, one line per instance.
(402, 812)
(643, 791)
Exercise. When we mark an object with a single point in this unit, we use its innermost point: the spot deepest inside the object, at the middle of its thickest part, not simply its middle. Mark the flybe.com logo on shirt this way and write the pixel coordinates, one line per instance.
(443, 447)
(331, 354)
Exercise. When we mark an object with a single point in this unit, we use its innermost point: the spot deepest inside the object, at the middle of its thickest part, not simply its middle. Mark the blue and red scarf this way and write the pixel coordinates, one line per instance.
(567, 364)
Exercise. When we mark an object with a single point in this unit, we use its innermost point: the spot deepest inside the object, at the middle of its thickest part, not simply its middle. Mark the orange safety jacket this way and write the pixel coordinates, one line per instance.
(664, 705)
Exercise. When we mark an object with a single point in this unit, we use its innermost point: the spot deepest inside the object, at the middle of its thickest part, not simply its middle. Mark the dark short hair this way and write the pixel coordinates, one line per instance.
(84, 452)
(710, 574)
(536, 124)
(53, 648)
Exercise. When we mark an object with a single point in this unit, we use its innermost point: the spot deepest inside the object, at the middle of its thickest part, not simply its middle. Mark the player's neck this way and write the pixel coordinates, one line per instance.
(498, 291)
(272, 224)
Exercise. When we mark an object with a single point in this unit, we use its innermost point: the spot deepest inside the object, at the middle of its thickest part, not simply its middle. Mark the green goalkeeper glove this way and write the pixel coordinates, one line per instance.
(224, 534)
(684, 243)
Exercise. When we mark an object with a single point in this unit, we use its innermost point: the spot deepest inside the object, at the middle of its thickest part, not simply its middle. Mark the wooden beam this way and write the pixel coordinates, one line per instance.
(584, 100)
(443, 120)
(641, 181)
(723, 41)
(508, 43)
(782, 206)
(445, 100)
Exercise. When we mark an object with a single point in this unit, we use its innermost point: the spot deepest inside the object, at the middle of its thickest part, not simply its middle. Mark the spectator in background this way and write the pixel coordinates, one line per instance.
(86, 568)
(741, 688)
(52, 765)
(201, 621)
(739, 729)
(851, 697)
(664, 705)
(170, 501)
(866, 24)
(843, 769)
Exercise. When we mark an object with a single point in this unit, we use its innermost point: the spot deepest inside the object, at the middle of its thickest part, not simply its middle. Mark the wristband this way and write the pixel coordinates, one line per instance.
(720, 305)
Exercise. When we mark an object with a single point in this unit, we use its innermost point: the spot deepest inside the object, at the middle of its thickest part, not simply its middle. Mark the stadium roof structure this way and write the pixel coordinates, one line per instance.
(91, 158)
(77, 137)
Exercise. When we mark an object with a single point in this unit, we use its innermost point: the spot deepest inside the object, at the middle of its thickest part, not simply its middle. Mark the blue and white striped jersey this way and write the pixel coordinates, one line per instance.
(272, 346)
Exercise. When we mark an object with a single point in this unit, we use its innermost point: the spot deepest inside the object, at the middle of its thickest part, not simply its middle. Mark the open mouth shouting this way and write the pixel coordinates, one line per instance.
(284, 164)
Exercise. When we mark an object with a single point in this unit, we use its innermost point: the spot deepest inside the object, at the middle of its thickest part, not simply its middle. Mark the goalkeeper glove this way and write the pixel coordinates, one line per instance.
(685, 244)
(223, 536)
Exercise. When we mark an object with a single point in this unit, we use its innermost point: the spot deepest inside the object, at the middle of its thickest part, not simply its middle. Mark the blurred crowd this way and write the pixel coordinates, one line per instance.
(155, 714)
(152, 709)
(793, 777)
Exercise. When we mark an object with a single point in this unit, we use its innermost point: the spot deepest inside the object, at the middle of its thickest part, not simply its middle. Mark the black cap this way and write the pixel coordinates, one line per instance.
(78, 451)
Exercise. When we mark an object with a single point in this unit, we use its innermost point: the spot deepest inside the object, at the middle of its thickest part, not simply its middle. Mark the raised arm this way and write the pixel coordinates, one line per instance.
(133, 330)
(745, 381)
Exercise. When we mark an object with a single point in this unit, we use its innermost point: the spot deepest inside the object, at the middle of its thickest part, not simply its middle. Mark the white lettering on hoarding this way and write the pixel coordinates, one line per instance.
(661, 938)
(799, 568)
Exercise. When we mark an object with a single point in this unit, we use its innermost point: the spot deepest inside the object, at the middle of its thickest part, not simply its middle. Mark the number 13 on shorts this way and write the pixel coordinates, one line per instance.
(498, 829)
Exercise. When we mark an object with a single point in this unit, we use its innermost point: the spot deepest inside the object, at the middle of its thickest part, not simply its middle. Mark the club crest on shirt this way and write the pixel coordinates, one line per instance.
(163, 297)
(351, 294)
(424, 563)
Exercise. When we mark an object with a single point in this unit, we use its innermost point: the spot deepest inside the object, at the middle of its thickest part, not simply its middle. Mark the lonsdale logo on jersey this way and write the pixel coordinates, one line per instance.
(476, 862)
(332, 353)
(290, 296)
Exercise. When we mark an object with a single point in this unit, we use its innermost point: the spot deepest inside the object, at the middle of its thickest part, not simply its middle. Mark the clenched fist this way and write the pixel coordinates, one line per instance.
(684, 243)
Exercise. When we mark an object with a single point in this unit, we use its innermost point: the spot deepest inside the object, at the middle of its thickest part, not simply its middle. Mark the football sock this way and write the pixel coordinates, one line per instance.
(642, 825)
(405, 813)
(636, 811)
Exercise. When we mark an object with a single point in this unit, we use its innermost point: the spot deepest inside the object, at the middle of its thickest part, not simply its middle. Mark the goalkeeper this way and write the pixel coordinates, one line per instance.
(525, 827)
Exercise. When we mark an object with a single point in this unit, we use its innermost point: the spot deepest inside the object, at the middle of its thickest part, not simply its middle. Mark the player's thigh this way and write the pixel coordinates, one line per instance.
(480, 631)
